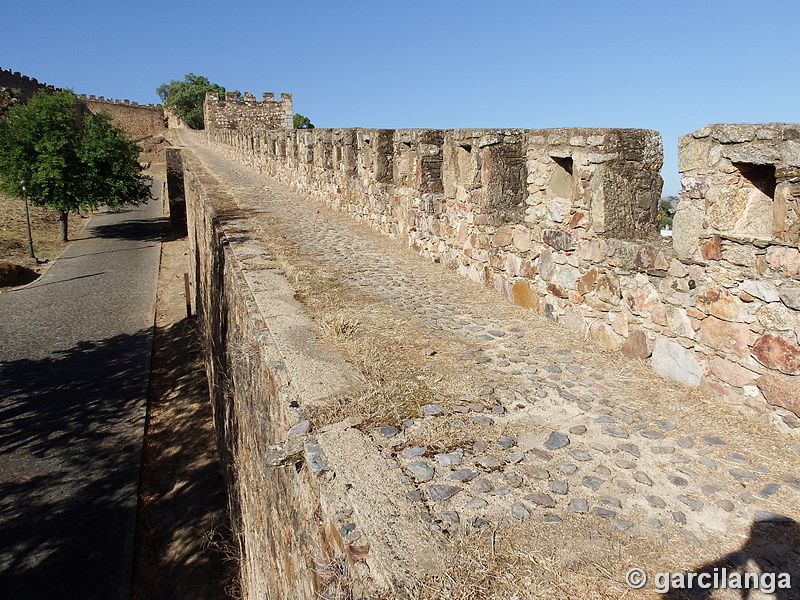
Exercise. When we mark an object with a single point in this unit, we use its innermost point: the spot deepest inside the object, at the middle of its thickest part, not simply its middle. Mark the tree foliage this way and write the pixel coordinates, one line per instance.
(301, 122)
(185, 98)
(69, 159)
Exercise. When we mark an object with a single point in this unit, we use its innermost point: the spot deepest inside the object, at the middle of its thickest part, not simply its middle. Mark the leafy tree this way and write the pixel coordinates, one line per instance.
(69, 159)
(186, 97)
(301, 122)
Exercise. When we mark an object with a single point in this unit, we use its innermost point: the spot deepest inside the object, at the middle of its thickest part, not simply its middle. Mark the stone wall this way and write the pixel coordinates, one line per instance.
(26, 85)
(136, 120)
(563, 221)
(246, 113)
(292, 491)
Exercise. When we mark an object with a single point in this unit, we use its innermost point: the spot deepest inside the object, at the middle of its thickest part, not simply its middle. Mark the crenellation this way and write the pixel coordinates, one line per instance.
(247, 113)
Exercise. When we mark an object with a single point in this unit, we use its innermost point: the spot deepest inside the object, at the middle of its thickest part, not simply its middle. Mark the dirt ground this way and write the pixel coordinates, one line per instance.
(44, 231)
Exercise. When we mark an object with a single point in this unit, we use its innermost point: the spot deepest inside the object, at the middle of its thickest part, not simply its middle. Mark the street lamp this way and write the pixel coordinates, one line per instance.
(31, 255)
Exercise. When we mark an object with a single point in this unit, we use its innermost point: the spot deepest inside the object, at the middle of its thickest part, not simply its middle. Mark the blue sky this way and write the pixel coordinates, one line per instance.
(670, 66)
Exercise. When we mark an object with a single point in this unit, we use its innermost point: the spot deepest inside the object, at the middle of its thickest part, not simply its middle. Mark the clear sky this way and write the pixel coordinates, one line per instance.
(670, 66)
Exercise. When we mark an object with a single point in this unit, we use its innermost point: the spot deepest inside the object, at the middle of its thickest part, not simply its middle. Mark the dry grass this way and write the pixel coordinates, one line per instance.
(44, 230)
(522, 564)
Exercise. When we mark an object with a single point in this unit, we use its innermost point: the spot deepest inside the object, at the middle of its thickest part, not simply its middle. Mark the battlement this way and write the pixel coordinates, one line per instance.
(126, 102)
(26, 85)
(247, 112)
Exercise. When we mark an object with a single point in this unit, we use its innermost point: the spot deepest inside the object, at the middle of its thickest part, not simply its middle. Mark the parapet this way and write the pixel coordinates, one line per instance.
(247, 113)
(740, 182)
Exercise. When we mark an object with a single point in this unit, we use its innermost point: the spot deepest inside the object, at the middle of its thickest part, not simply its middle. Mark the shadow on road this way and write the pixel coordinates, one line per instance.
(139, 230)
(70, 435)
(70, 446)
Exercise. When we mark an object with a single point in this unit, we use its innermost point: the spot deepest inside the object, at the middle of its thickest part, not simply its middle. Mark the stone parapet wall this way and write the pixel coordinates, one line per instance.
(26, 85)
(230, 113)
(291, 490)
(563, 221)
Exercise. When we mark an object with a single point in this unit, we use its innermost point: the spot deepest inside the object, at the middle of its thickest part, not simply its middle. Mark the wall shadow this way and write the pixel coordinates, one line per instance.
(183, 548)
(769, 551)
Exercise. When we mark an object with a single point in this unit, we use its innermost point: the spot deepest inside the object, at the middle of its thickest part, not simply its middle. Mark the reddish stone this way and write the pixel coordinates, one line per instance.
(574, 297)
(527, 269)
(586, 283)
(776, 353)
(636, 345)
(607, 288)
(712, 250)
(730, 372)
(557, 290)
(643, 300)
(693, 312)
(522, 295)
(780, 391)
(578, 220)
(719, 303)
(725, 336)
(784, 260)
(357, 553)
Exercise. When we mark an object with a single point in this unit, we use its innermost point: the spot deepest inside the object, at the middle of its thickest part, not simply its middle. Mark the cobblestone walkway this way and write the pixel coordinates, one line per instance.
(593, 438)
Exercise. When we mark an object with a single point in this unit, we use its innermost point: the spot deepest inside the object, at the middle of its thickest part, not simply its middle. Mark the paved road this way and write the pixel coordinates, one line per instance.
(74, 371)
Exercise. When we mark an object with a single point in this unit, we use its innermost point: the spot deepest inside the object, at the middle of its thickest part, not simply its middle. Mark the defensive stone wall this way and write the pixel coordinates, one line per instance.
(137, 120)
(563, 221)
(292, 492)
(26, 85)
(246, 113)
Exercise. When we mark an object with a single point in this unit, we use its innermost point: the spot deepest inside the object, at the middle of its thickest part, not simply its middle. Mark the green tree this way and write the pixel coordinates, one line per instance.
(186, 97)
(301, 122)
(69, 159)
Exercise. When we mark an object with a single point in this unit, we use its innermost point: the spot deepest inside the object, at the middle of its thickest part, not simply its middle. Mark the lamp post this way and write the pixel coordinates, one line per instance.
(31, 255)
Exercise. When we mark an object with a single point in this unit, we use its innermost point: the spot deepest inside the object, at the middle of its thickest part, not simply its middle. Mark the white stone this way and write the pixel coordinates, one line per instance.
(751, 390)
(762, 290)
(674, 362)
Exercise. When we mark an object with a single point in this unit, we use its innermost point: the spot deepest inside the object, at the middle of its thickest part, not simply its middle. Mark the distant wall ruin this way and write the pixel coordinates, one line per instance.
(563, 221)
(246, 113)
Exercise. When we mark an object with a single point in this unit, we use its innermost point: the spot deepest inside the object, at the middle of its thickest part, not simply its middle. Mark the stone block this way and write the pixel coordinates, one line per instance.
(776, 353)
(522, 295)
(605, 336)
(790, 297)
(784, 260)
(636, 346)
(560, 240)
(777, 317)
(566, 276)
(763, 290)
(726, 336)
(673, 361)
(782, 391)
(720, 303)
(731, 373)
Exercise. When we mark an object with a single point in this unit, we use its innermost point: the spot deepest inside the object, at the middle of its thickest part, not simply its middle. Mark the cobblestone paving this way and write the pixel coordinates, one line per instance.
(588, 440)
